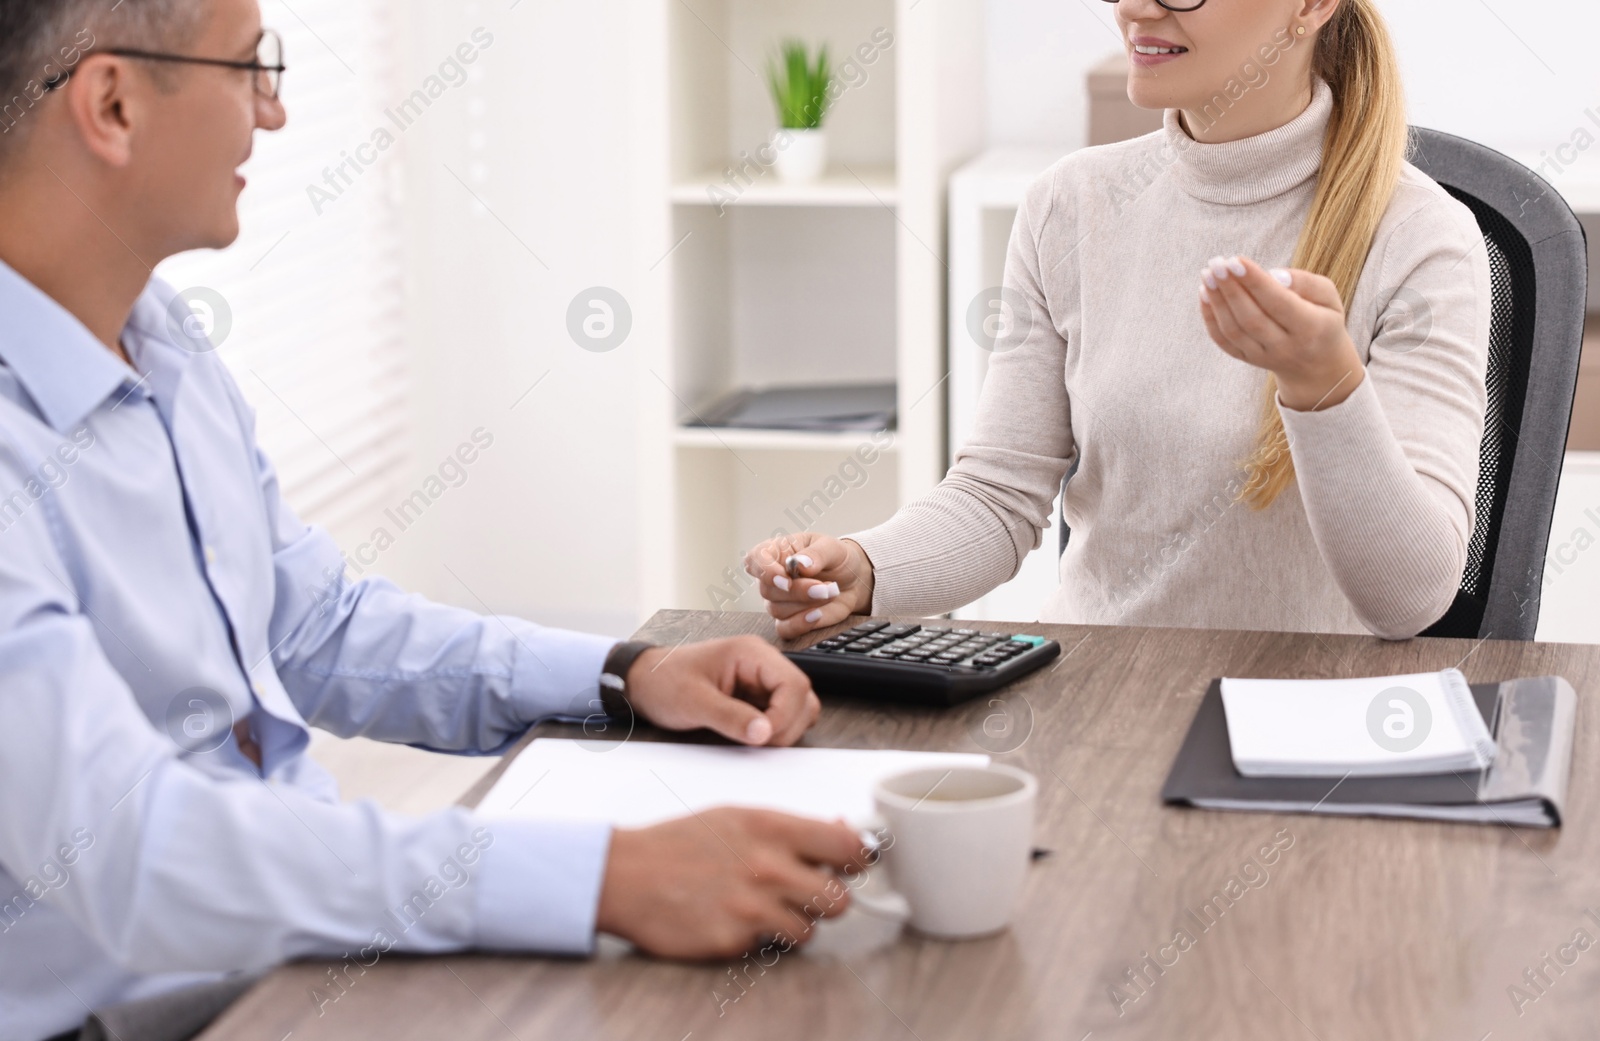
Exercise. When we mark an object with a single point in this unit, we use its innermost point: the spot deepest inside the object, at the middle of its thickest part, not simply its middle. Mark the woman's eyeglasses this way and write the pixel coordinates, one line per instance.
(268, 66)
(1176, 5)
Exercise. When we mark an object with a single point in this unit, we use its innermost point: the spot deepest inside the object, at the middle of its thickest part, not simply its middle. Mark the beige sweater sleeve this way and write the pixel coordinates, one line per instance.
(973, 531)
(1388, 477)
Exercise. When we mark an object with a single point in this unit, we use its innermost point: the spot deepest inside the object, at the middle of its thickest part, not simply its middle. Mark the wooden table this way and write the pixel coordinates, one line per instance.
(1360, 929)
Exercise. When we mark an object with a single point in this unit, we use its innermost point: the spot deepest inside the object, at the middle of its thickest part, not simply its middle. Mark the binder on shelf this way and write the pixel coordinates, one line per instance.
(821, 408)
(1532, 721)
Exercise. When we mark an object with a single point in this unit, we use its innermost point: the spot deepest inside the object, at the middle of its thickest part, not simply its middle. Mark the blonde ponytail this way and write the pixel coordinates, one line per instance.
(1362, 153)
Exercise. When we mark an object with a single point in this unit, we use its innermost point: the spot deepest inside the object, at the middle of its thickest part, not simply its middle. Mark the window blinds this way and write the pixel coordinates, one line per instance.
(306, 308)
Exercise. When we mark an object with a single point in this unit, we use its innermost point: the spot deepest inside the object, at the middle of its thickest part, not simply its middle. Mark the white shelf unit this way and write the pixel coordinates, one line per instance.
(769, 440)
(984, 197)
(1566, 612)
(858, 187)
(837, 281)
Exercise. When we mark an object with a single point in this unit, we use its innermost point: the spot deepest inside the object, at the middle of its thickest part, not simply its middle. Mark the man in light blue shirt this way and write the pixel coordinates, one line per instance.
(168, 633)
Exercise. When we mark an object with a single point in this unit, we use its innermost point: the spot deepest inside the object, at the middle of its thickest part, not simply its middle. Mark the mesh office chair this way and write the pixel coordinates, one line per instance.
(1539, 273)
(1538, 263)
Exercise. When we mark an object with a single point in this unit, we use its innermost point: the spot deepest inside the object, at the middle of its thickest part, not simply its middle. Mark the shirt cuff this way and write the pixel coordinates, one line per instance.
(539, 886)
(557, 673)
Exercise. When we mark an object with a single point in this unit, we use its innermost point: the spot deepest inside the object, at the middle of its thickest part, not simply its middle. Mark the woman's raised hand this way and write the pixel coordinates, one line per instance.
(1287, 321)
(832, 581)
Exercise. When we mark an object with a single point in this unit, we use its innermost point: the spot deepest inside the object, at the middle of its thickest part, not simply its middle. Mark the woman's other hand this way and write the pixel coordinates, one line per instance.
(1289, 322)
(832, 581)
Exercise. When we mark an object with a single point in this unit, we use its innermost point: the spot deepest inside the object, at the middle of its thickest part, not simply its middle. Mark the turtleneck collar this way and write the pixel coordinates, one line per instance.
(1257, 168)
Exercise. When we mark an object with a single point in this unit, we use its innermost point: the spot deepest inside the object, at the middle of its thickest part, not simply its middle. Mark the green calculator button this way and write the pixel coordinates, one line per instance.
(1031, 641)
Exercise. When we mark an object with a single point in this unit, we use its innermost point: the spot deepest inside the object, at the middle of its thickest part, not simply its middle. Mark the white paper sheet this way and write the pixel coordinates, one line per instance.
(637, 783)
(1371, 726)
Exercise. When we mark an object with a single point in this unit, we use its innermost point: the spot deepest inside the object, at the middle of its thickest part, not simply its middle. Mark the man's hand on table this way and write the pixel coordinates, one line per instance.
(742, 688)
(717, 883)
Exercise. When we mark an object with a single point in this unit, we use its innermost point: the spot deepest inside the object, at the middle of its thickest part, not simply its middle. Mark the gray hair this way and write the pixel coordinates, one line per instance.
(42, 41)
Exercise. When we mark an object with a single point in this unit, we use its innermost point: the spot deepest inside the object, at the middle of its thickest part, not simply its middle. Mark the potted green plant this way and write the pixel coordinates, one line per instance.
(800, 89)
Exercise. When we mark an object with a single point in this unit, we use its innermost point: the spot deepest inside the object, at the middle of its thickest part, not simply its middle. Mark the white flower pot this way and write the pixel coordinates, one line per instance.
(802, 154)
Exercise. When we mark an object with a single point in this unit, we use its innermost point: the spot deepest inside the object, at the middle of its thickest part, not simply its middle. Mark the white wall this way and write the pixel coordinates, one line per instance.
(544, 527)
(1038, 54)
(1466, 70)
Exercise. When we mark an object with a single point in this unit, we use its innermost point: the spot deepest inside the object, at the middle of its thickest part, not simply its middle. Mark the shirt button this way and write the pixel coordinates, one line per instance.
(211, 555)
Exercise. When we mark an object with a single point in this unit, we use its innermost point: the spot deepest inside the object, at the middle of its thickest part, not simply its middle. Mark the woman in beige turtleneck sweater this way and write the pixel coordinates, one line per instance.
(1217, 323)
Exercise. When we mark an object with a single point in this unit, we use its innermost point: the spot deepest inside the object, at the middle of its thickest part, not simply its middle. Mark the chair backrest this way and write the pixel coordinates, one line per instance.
(1539, 275)
(1538, 262)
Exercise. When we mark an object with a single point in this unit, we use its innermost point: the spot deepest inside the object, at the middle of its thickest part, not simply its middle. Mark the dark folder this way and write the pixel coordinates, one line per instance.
(1532, 721)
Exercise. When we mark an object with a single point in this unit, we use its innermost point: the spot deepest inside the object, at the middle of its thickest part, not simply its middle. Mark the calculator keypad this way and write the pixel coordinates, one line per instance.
(929, 645)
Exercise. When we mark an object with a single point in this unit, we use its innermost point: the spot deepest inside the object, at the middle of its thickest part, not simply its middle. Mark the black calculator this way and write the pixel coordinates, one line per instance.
(925, 664)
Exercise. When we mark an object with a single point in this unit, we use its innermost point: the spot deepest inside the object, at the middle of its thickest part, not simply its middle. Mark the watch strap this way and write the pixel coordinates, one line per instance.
(614, 678)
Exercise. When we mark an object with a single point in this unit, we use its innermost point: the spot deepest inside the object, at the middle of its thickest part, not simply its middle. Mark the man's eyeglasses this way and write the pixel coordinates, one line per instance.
(268, 66)
(1176, 5)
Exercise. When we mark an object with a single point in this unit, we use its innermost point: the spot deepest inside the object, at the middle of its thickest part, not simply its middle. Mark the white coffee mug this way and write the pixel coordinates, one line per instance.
(957, 843)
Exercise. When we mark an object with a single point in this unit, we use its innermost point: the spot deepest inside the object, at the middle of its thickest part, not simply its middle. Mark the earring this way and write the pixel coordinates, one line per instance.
(1299, 30)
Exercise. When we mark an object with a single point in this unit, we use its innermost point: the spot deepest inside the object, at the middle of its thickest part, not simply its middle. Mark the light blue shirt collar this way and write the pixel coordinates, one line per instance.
(154, 346)
(57, 360)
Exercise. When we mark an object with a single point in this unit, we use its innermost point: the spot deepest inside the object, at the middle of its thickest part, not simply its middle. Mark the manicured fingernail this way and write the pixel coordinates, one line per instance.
(804, 560)
(814, 616)
(1204, 295)
(1219, 268)
(1282, 275)
(1209, 278)
(759, 732)
(1236, 266)
(826, 591)
(782, 582)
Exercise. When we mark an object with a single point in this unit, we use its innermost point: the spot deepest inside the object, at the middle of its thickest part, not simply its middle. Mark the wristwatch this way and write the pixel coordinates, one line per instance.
(614, 679)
